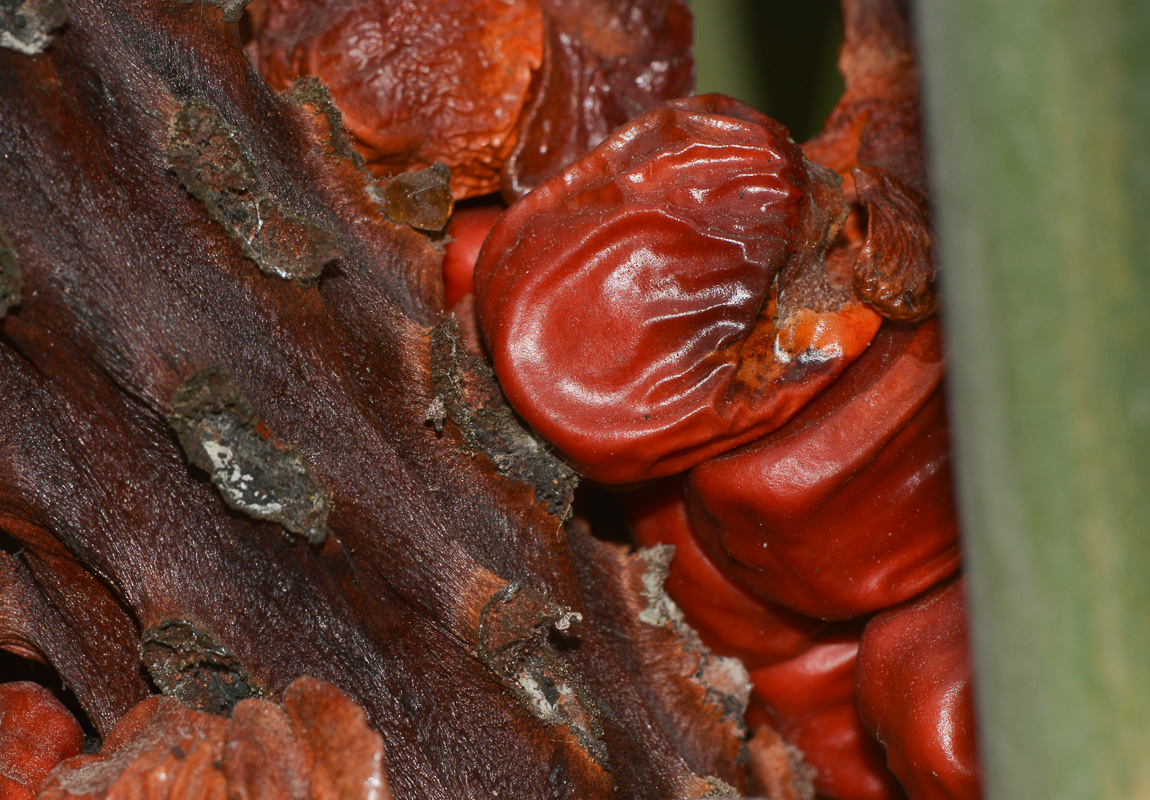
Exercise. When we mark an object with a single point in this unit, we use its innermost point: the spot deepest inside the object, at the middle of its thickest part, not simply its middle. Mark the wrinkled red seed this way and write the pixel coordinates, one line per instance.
(36, 733)
(810, 700)
(914, 694)
(628, 302)
(604, 62)
(416, 82)
(848, 508)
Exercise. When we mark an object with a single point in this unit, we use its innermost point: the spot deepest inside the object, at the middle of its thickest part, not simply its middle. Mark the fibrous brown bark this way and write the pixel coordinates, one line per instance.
(239, 444)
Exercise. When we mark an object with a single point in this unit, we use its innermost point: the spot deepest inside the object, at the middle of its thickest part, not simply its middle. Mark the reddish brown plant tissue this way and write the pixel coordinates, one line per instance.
(241, 442)
(645, 311)
(668, 296)
(36, 733)
(873, 139)
(316, 745)
(604, 62)
(504, 92)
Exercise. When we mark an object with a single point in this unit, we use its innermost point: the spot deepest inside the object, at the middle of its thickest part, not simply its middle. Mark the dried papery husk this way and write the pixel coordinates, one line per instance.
(416, 83)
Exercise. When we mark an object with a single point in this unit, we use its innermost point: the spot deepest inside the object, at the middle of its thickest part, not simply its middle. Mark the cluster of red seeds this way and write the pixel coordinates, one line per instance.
(685, 292)
(697, 298)
(682, 298)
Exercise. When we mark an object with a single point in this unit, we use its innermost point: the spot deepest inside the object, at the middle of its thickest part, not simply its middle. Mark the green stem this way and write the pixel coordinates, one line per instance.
(1039, 115)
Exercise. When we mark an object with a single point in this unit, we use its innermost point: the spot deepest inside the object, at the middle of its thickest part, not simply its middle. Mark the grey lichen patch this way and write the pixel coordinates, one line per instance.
(549, 698)
(26, 25)
(556, 698)
(436, 414)
(11, 283)
(698, 787)
(719, 788)
(515, 630)
(726, 679)
(310, 93)
(256, 474)
(232, 9)
(661, 609)
(421, 199)
(212, 162)
(192, 665)
(515, 623)
(466, 392)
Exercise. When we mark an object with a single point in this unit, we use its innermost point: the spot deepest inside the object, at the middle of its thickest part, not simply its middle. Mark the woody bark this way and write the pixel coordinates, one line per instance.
(238, 443)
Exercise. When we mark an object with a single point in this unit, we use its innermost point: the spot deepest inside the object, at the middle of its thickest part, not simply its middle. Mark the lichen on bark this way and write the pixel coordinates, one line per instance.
(11, 284)
(254, 473)
(145, 166)
(212, 161)
(26, 25)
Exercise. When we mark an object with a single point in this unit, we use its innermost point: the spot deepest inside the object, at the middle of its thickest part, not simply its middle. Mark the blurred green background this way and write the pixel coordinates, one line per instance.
(776, 55)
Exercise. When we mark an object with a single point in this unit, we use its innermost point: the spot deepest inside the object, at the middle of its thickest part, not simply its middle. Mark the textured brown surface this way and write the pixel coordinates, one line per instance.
(416, 82)
(139, 270)
(317, 745)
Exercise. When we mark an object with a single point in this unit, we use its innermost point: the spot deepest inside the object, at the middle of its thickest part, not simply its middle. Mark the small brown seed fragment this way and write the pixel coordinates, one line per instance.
(895, 270)
(421, 199)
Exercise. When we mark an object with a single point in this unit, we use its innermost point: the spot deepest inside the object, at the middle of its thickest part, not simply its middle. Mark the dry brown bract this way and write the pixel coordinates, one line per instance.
(315, 745)
(212, 300)
(416, 82)
(504, 92)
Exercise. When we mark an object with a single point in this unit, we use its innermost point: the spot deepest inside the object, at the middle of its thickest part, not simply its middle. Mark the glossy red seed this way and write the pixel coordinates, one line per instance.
(632, 304)
(36, 733)
(802, 669)
(914, 694)
(848, 508)
(730, 620)
(465, 234)
(810, 700)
